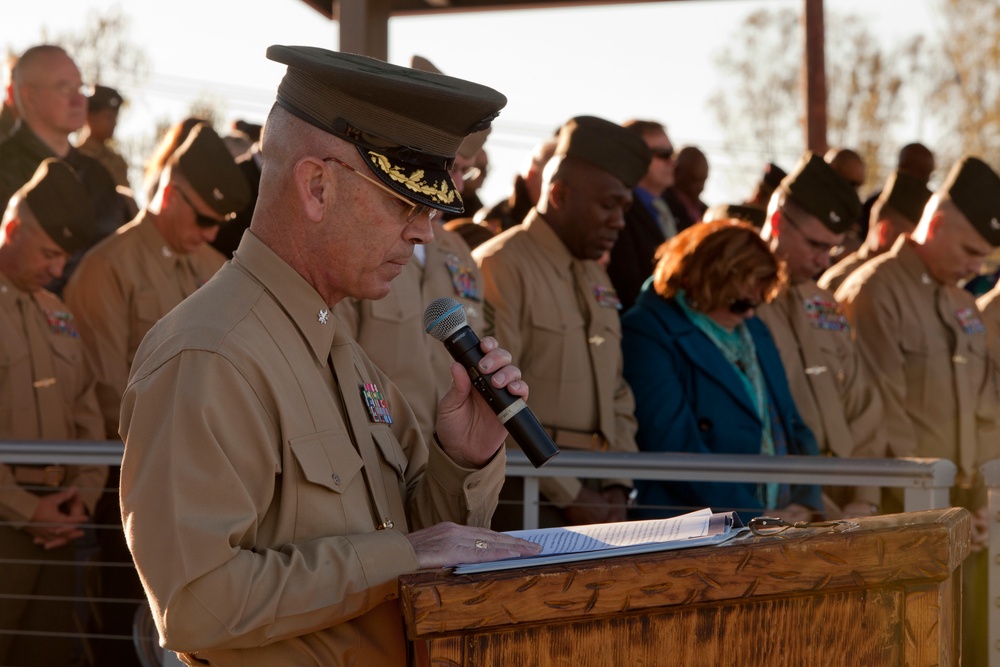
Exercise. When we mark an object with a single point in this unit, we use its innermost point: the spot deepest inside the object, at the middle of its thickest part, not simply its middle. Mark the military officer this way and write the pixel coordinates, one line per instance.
(46, 393)
(896, 211)
(924, 336)
(275, 483)
(552, 305)
(807, 217)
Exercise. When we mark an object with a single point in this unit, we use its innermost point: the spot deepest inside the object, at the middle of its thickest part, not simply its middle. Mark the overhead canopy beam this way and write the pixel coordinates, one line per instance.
(364, 29)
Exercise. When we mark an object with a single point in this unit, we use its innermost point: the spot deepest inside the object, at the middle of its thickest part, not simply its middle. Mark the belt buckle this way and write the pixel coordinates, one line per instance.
(598, 442)
(53, 475)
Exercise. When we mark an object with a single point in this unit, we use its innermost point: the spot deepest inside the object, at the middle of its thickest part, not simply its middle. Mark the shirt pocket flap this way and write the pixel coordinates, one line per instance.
(327, 459)
(391, 451)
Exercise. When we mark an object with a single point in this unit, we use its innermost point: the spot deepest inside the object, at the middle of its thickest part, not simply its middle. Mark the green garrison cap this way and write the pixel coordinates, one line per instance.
(61, 205)
(607, 145)
(207, 165)
(975, 189)
(905, 195)
(104, 98)
(817, 188)
(406, 124)
(755, 216)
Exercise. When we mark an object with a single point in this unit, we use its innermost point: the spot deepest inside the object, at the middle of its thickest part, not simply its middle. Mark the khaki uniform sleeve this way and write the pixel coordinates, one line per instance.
(100, 309)
(17, 506)
(194, 494)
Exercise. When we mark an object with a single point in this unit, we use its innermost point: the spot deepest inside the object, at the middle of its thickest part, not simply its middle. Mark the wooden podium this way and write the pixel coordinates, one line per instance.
(885, 593)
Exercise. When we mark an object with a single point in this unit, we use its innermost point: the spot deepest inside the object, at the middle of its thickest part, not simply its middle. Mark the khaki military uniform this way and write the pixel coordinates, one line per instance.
(564, 333)
(837, 274)
(828, 378)
(121, 288)
(109, 159)
(391, 330)
(928, 346)
(266, 427)
(989, 308)
(46, 393)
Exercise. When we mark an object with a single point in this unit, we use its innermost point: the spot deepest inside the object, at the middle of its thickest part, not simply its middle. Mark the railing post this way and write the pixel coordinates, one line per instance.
(530, 507)
(991, 478)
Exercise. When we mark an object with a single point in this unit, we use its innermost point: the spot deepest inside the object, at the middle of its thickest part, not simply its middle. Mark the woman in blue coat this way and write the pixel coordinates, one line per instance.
(706, 374)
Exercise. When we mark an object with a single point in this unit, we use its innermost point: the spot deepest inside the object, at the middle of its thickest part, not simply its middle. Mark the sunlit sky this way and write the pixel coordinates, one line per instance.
(652, 60)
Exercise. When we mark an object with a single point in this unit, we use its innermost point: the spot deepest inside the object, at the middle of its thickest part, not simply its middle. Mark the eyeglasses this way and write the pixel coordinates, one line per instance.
(815, 244)
(66, 89)
(662, 153)
(416, 210)
(763, 526)
(742, 306)
(200, 219)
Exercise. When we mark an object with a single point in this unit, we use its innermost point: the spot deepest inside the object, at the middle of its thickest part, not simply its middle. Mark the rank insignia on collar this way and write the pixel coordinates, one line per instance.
(607, 297)
(378, 407)
(969, 319)
(324, 316)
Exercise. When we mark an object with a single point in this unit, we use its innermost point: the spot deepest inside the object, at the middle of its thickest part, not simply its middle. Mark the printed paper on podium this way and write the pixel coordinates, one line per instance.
(603, 540)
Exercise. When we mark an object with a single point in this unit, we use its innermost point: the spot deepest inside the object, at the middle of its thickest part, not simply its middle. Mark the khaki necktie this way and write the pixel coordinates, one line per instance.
(48, 394)
(665, 218)
(346, 378)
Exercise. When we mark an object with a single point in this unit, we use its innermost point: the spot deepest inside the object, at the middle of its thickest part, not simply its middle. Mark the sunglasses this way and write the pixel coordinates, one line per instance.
(742, 306)
(200, 219)
(662, 153)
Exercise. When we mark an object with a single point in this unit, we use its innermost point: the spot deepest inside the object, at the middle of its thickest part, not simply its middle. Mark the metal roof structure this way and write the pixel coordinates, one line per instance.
(364, 29)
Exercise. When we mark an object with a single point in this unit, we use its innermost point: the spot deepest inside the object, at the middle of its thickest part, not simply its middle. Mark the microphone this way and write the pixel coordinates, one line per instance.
(444, 319)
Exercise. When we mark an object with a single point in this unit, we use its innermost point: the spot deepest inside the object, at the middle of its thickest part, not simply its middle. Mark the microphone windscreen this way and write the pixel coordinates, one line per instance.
(442, 317)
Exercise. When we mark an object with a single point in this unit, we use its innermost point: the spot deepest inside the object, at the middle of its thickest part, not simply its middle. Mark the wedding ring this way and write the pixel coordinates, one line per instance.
(480, 544)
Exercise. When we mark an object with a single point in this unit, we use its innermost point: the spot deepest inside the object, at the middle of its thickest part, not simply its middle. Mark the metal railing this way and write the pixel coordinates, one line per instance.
(925, 482)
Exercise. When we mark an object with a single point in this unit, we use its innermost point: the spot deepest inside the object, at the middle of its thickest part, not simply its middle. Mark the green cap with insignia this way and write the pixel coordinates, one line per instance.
(905, 195)
(61, 205)
(822, 192)
(607, 145)
(406, 124)
(208, 166)
(755, 216)
(975, 190)
(104, 98)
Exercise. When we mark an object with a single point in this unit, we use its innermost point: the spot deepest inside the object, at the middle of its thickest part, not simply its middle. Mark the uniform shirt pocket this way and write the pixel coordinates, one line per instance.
(325, 460)
(145, 313)
(329, 494)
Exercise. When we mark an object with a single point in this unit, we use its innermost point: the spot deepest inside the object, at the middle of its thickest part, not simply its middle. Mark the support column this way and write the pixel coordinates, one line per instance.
(364, 27)
(814, 73)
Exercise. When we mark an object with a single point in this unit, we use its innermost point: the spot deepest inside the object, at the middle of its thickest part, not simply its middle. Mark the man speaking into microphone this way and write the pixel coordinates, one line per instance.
(552, 305)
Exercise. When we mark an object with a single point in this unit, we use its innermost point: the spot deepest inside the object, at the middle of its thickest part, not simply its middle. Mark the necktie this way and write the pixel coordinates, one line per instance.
(346, 379)
(48, 394)
(665, 219)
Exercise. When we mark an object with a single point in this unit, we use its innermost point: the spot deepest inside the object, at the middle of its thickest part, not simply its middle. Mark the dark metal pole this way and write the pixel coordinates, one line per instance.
(814, 73)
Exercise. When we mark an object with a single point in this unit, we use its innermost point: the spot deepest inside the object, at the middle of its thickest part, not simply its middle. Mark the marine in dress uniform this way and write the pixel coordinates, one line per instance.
(552, 305)
(121, 288)
(102, 118)
(896, 211)
(299, 486)
(808, 215)
(925, 337)
(46, 393)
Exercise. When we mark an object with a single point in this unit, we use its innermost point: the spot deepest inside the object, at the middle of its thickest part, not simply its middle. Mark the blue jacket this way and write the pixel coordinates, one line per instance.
(688, 398)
